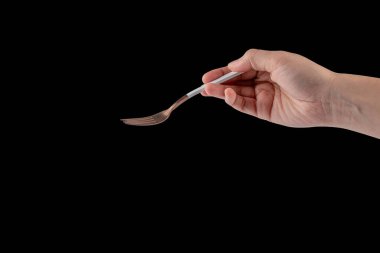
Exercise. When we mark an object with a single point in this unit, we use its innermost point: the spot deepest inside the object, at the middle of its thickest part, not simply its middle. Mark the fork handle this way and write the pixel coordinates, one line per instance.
(220, 80)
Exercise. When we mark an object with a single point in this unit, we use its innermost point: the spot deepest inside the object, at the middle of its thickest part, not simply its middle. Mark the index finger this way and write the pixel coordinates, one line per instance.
(216, 73)
(260, 60)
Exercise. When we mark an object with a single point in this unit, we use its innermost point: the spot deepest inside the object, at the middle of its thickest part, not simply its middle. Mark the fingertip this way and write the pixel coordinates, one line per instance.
(204, 78)
(208, 89)
(233, 63)
(208, 77)
(230, 96)
(214, 74)
(236, 65)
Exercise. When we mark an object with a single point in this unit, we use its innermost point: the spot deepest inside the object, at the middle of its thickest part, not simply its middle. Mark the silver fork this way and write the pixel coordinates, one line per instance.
(164, 115)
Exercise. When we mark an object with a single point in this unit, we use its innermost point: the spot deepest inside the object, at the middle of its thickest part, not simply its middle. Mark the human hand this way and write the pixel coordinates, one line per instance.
(277, 86)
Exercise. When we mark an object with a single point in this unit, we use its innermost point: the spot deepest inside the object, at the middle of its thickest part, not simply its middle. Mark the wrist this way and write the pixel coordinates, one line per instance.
(354, 103)
(342, 107)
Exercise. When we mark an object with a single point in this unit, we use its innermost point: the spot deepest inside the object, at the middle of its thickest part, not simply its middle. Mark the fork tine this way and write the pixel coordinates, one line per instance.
(149, 120)
(133, 123)
(146, 120)
(143, 118)
(136, 120)
(142, 123)
(139, 121)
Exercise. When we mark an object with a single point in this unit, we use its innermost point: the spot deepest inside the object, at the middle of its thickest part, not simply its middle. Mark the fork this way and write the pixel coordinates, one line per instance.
(164, 115)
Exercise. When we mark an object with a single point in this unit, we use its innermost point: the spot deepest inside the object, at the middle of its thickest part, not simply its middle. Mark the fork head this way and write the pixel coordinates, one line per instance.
(149, 120)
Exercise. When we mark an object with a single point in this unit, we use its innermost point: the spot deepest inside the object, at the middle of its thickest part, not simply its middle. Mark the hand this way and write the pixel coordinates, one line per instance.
(280, 87)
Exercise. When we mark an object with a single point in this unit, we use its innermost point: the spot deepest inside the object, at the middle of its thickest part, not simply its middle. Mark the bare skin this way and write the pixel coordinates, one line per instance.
(289, 89)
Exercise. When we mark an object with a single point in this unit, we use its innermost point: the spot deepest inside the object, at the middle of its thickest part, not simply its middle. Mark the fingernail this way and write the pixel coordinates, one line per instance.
(228, 97)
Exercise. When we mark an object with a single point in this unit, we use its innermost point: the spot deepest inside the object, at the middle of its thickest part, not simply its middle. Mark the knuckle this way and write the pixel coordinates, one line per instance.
(251, 52)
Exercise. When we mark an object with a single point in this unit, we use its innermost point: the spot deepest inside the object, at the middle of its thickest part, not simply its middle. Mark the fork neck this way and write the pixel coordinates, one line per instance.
(179, 102)
(186, 97)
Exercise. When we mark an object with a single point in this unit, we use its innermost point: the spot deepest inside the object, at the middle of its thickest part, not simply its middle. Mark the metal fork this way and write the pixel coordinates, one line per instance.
(164, 115)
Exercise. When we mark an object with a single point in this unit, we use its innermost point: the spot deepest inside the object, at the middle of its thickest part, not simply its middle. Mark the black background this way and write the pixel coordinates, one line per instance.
(207, 156)
(145, 67)
(209, 170)
(141, 65)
